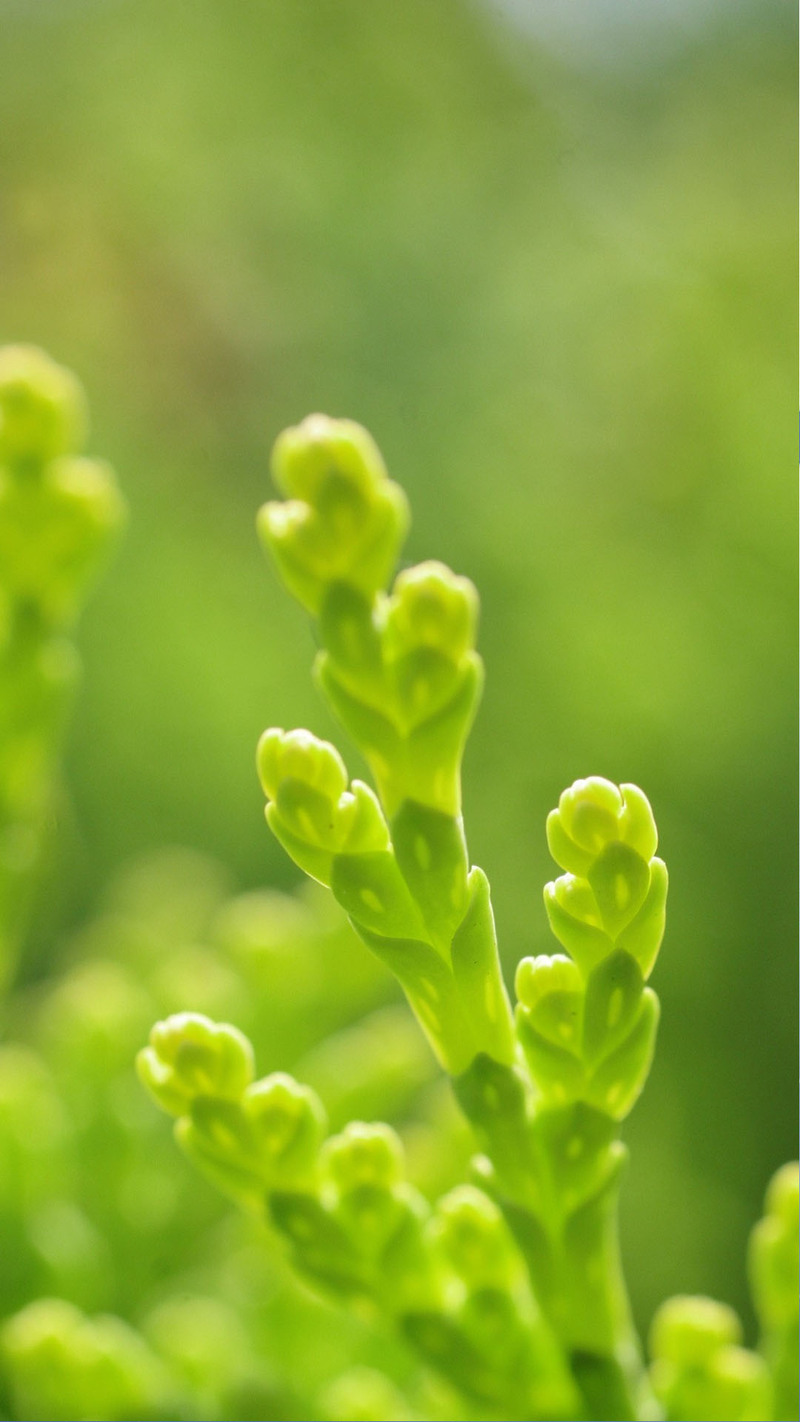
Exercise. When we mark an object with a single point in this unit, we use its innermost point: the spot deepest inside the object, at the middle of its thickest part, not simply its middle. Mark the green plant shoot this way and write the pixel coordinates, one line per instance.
(512, 1286)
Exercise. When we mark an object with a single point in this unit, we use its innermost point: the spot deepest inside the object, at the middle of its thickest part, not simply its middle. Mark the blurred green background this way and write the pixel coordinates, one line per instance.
(556, 280)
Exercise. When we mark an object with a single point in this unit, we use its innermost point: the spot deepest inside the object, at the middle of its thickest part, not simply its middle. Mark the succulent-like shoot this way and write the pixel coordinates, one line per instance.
(401, 672)
(399, 667)
(700, 1371)
(442, 949)
(614, 892)
(513, 1292)
(775, 1283)
(588, 1023)
(61, 1364)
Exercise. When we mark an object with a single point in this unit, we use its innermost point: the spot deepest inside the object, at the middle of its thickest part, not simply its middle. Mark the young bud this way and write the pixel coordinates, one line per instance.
(306, 457)
(189, 1056)
(312, 812)
(433, 608)
(542, 978)
(364, 1155)
(345, 521)
(470, 1231)
(285, 756)
(688, 1329)
(42, 407)
(288, 1124)
(594, 813)
(268, 1139)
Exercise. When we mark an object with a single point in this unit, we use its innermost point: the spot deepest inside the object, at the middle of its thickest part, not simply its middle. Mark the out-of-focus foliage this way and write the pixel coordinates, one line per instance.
(97, 1208)
(58, 514)
(565, 305)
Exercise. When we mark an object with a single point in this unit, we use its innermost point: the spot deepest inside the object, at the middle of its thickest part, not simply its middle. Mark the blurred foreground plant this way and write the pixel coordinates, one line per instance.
(511, 1286)
(59, 511)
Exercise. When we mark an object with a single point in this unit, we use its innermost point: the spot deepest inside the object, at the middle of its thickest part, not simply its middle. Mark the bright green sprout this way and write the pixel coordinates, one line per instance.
(511, 1288)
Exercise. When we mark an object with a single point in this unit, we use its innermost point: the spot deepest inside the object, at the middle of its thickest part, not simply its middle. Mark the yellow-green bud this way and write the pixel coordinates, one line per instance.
(593, 814)
(311, 811)
(364, 1155)
(345, 520)
(538, 978)
(688, 1329)
(190, 1056)
(299, 756)
(472, 1235)
(306, 456)
(431, 607)
(42, 407)
(783, 1194)
(288, 1122)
